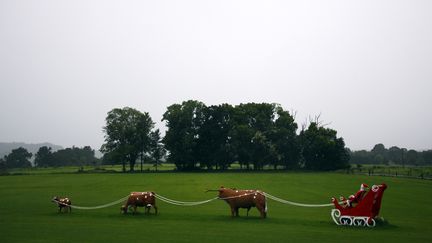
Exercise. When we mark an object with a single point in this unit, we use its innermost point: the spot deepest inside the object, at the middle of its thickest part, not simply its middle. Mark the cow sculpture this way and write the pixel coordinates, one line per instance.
(140, 199)
(243, 199)
(63, 203)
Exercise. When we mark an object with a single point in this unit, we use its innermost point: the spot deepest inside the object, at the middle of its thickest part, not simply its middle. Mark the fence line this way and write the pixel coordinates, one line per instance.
(395, 173)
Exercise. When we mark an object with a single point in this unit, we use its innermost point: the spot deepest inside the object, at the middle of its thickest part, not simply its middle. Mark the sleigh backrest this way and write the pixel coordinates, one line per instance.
(377, 198)
(371, 203)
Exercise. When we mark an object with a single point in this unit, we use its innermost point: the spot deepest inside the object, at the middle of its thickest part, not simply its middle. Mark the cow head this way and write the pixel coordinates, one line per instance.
(123, 209)
(225, 192)
(55, 199)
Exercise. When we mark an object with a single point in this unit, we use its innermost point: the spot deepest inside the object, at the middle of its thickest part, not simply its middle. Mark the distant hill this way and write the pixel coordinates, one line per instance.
(6, 148)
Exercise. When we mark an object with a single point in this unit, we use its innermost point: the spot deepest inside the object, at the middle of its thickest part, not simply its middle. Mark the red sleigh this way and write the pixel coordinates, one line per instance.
(364, 213)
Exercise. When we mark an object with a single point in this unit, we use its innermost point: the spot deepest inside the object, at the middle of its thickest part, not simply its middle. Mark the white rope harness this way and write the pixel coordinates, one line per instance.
(94, 207)
(294, 203)
(182, 203)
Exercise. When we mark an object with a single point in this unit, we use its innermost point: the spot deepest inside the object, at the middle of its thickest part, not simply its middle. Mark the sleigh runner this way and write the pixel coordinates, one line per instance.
(364, 213)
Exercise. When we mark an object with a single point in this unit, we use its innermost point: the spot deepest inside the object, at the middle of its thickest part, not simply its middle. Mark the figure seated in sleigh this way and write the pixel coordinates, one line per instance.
(361, 209)
(353, 200)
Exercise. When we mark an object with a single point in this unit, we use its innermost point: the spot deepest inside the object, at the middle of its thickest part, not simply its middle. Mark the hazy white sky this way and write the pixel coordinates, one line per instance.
(366, 66)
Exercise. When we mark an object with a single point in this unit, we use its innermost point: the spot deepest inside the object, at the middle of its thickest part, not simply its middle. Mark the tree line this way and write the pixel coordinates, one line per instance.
(214, 137)
(393, 155)
(45, 157)
(253, 135)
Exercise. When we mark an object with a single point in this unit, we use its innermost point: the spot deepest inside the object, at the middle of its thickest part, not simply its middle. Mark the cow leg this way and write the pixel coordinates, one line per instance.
(135, 209)
(232, 211)
(236, 212)
(262, 211)
(156, 209)
(247, 213)
(60, 209)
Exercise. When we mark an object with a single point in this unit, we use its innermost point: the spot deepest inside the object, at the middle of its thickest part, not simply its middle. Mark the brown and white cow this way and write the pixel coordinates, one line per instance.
(140, 199)
(63, 202)
(244, 199)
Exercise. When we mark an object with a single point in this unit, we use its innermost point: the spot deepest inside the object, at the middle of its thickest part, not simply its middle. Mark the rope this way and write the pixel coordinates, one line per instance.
(294, 203)
(94, 207)
(181, 203)
(280, 200)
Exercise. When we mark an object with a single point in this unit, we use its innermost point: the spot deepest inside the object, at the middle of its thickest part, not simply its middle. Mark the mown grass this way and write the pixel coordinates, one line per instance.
(27, 215)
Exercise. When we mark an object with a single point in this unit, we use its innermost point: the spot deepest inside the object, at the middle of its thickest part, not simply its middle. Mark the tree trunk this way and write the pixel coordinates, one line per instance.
(131, 164)
(142, 162)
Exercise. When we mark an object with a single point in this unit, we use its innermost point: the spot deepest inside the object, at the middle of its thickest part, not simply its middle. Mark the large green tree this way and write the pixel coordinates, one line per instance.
(285, 140)
(252, 123)
(127, 135)
(253, 134)
(263, 151)
(183, 122)
(74, 156)
(322, 149)
(18, 158)
(44, 157)
(214, 147)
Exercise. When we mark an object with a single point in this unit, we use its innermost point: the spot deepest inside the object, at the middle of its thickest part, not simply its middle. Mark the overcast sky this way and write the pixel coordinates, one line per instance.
(365, 66)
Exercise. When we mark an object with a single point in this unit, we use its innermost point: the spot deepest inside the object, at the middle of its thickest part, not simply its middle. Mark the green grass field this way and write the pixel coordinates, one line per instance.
(27, 215)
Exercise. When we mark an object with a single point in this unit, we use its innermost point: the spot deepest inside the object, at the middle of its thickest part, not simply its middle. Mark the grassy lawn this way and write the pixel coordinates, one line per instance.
(27, 215)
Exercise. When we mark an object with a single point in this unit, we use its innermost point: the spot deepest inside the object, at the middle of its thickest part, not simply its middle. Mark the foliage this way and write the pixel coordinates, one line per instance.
(44, 157)
(214, 140)
(157, 149)
(183, 123)
(3, 167)
(111, 158)
(394, 155)
(322, 150)
(285, 140)
(74, 156)
(254, 134)
(252, 124)
(127, 134)
(65, 157)
(18, 158)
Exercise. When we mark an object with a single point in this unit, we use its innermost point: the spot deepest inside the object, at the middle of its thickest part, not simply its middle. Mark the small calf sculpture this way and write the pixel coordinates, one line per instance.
(63, 203)
(140, 199)
(243, 199)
